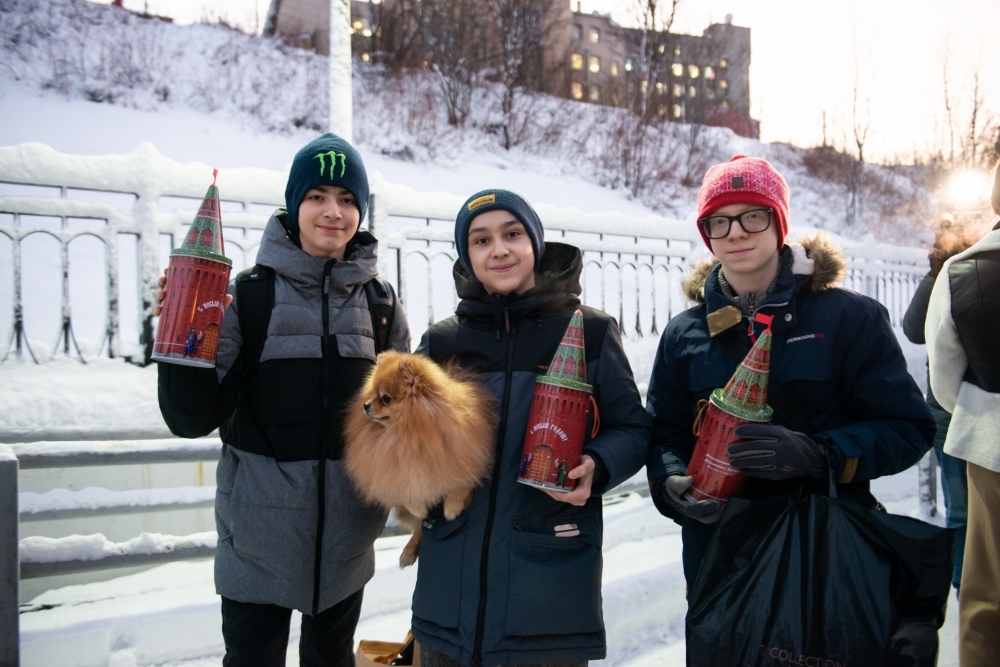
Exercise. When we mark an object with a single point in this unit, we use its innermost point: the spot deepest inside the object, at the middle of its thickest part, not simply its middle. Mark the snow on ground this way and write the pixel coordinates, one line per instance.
(140, 619)
(186, 135)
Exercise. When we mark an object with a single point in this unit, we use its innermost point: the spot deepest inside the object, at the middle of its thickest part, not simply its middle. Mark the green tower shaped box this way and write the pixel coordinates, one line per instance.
(197, 283)
(560, 410)
(742, 401)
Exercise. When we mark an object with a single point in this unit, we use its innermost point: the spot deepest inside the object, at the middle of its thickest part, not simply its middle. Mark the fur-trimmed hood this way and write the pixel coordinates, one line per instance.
(815, 255)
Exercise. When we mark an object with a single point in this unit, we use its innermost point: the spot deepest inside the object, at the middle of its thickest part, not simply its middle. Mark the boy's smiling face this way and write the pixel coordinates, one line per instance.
(328, 218)
(501, 253)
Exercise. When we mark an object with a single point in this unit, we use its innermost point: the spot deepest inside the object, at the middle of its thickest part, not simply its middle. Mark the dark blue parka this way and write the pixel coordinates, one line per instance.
(496, 586)
(834, 354)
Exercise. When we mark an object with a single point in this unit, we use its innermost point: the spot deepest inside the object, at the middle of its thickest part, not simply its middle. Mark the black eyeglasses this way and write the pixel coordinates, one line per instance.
(753, 221)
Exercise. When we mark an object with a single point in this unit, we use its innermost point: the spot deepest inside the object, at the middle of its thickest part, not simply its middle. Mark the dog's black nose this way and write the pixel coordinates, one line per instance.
(368, 405)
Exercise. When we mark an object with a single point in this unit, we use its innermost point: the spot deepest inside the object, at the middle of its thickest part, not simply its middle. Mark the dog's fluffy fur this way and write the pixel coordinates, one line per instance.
(418, 434)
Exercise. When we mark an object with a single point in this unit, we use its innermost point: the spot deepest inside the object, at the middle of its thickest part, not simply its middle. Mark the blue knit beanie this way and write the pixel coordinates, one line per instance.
(326, 160)
(491, 200)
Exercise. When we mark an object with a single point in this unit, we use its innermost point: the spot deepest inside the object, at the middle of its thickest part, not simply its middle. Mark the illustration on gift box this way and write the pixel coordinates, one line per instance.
(742, 401)
(197, 283)
(559, 413)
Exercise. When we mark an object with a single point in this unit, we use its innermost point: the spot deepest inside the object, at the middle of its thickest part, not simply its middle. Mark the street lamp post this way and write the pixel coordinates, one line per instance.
(341, 95)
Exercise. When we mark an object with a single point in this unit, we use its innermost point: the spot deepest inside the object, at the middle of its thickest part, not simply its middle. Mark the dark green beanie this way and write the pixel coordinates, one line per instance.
(491, 200)
(326, 160)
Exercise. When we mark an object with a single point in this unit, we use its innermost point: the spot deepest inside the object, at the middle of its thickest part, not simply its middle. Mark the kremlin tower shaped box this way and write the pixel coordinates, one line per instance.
(197, 283)
(559, 413)
(742, 401)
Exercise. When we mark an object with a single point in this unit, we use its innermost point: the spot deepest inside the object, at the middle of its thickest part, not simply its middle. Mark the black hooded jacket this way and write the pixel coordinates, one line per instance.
(496, 586)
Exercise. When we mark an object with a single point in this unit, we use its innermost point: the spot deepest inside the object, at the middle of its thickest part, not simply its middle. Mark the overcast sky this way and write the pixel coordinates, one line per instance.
(803, 59)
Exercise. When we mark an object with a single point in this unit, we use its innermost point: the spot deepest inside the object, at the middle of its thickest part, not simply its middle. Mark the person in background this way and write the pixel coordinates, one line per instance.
(950, 241)
(963, 319)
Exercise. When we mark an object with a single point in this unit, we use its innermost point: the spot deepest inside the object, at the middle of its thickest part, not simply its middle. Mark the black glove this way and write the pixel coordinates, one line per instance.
(774, 452)
(706, 511)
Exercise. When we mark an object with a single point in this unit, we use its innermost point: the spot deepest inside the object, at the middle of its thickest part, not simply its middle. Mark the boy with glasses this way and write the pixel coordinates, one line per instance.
(845, 394)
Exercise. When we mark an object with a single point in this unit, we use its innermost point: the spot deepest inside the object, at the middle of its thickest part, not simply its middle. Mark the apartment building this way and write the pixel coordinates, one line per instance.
(589, 57)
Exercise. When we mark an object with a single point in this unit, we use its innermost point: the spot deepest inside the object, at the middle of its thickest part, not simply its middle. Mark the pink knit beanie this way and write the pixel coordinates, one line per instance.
(744, 180)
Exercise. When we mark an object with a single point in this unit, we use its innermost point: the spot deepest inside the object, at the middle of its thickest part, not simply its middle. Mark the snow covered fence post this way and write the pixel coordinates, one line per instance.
(341, 95)
(9, 564)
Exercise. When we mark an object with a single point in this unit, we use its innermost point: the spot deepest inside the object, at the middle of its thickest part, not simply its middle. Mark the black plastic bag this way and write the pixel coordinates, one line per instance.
(814, 581)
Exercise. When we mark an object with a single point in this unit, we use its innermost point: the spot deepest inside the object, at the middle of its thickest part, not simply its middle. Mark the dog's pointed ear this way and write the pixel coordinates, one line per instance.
(410, 374)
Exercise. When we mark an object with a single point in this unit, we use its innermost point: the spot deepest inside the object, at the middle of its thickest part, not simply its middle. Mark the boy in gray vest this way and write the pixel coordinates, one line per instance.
(297, 341)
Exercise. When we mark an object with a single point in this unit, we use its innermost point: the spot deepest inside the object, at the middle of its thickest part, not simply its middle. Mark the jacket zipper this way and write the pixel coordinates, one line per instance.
(477, 649)
(318, 567)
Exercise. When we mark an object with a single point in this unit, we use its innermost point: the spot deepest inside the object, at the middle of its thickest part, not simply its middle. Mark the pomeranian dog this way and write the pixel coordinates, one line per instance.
(418, 434)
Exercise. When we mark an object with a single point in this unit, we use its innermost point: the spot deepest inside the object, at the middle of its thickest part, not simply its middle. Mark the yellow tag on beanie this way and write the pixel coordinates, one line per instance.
(482, 201)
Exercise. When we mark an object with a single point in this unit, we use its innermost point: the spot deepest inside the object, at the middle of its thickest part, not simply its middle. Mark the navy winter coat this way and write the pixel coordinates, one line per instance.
(833, 352)
(496, 585)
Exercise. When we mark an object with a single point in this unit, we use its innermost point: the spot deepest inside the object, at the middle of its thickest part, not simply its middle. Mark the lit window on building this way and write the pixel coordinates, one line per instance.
(692, 91)
(662, 110)
(678, 90)
(709, 72)
(595, 35)
(628, 65)
(693, 71)
(357, 25)
(723, 84)
(677, 50)
(677, 69)
(576, 90)
(614, 97)
(678, 111)
(577, 31)
(660, 87)
(724, 104)
(662, 48)
(366, 32)
(723, 63)
(614, 68)
(576, 61)
(365, 57)
(595, 64)
(643, 86)
(595, 93)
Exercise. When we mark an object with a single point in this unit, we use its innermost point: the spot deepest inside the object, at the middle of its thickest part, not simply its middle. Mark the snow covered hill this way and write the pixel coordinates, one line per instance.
(81, 51)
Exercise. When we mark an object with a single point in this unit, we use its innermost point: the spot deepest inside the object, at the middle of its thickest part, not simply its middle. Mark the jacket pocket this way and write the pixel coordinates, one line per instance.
(438, 594)
(555, 582)
(272, 512)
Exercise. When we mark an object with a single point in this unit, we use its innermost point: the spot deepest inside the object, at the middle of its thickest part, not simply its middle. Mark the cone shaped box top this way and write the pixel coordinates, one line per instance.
(746, 394)
(204, 238)
(569, 365)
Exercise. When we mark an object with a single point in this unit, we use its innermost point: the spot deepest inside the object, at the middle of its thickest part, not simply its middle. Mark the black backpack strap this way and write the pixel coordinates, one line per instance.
(255, 300)
(382, 307)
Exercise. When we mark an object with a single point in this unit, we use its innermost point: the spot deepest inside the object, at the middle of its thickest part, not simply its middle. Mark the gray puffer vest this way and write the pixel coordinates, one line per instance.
(292, 529)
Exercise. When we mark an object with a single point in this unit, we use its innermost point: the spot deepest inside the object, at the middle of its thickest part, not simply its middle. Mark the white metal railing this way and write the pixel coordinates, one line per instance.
(633, 265)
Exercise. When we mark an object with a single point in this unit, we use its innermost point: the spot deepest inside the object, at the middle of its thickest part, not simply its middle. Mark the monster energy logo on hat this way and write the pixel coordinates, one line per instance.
(322, 157)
